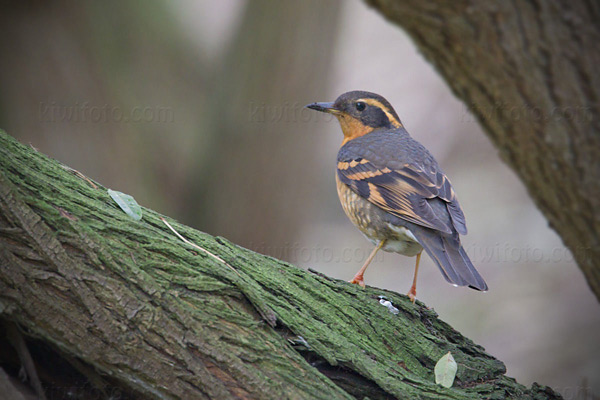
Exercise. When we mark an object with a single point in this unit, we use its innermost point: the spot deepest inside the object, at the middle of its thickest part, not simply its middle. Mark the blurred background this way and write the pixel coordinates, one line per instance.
(195, 109)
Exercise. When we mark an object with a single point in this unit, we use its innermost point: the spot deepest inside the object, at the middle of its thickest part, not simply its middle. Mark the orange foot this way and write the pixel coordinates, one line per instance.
(412, 294)
(358, 280)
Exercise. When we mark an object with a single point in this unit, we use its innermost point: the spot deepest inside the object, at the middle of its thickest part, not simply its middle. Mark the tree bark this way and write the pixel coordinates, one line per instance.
(527, 70)
(124, 305)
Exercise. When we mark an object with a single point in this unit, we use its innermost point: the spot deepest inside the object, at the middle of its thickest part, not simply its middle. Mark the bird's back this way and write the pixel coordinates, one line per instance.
(389, 148)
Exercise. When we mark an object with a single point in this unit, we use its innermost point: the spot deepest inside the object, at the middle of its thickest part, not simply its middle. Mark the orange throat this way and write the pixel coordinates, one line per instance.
(352, 127)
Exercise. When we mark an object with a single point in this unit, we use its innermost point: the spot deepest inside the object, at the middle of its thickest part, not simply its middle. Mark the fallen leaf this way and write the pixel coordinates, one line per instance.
(445, 370)
(127, 204)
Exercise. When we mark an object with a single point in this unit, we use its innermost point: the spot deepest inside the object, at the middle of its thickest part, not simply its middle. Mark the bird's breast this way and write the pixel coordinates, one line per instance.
(376, 224)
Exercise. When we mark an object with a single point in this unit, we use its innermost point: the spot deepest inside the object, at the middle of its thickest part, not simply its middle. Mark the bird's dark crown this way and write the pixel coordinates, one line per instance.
(369, 108)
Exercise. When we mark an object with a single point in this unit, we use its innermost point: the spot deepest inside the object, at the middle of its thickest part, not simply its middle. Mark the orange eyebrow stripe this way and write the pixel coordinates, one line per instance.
(378, 104)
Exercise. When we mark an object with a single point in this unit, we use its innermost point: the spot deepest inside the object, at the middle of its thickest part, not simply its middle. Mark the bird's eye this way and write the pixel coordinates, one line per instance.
(360, 106)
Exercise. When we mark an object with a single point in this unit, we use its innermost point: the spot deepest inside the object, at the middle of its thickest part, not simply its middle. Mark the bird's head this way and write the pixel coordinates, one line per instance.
(360, 113)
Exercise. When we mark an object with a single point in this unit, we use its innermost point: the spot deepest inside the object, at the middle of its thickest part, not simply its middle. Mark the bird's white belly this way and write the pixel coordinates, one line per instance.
(405, 242)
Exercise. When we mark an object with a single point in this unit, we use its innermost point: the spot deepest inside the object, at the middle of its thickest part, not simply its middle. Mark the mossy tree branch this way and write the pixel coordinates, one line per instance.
(128, 305)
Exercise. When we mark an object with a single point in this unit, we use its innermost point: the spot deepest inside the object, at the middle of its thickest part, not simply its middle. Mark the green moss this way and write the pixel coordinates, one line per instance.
(221, 314)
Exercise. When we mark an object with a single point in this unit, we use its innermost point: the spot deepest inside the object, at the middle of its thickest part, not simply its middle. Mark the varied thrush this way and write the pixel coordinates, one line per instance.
(395, 192)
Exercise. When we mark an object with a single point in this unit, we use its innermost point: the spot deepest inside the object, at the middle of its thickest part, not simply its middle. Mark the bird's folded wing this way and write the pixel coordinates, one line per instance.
(405, 192)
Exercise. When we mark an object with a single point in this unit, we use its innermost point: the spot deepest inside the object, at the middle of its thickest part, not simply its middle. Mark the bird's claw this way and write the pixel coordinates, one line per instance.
(412, 294)
(358, 280)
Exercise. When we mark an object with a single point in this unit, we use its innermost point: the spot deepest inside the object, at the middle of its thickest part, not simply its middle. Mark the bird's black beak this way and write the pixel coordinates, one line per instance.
(323, 107)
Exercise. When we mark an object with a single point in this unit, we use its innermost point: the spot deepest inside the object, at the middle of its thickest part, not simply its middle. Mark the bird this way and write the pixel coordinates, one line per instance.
(394, 191)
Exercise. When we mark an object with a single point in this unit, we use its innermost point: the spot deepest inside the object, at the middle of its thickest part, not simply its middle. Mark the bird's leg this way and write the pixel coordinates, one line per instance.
(359, 278)
(412, 293)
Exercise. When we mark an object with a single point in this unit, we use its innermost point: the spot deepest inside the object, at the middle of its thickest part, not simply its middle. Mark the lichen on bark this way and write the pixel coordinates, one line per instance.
(129, 305)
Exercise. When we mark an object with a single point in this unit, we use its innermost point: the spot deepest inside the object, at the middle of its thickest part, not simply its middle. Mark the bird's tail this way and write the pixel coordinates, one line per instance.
(449, 255)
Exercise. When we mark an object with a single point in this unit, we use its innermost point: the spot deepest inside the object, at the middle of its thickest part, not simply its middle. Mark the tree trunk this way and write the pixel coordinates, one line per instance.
(528, 71)
(109, 304)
